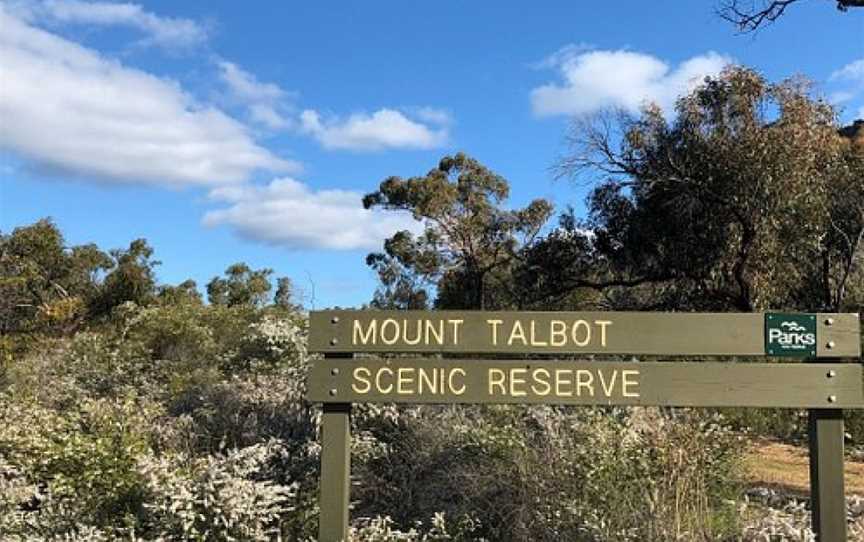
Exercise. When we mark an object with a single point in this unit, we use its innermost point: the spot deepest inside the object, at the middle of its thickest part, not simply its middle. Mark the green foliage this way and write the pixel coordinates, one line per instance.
(166, 424)
(185, 293)
(132, 278)
(44, 286)
(285, 296)
(215, 498)
(382, 529)
(241, 286)
(734, 204)
(188, 421)
(84, 459)
(544, 473)
(469, 240)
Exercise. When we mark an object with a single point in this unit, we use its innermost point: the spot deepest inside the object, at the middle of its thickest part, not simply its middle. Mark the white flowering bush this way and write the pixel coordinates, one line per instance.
(190, 423)
(382, 529)
(552, 473)
(73, 468)
(215, 497)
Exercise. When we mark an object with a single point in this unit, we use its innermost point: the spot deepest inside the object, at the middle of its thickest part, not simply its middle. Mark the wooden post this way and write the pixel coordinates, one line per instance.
(827, 497)
(335, 470)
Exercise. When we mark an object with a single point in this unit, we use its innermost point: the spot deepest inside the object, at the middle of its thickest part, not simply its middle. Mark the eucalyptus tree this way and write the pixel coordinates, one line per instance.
(132, 278)
(469, 242)
(45, 284)
(734, 201)
(241, 286)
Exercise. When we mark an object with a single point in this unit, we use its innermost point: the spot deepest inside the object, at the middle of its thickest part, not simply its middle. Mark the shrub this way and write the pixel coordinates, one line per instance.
(550, 473)
(217, 497)
(189, 422)
(82, 462)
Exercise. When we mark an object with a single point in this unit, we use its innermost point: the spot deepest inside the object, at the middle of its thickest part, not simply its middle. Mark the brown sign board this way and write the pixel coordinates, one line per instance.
(343, 378)
(685, 384)
(682, 334)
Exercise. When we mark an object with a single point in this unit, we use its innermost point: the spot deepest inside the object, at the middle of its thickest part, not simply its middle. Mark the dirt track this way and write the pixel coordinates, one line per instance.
(786, 468)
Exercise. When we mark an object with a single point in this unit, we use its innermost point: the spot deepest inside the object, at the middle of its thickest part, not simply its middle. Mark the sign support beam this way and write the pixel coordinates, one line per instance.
(827, 498)
(333, 522)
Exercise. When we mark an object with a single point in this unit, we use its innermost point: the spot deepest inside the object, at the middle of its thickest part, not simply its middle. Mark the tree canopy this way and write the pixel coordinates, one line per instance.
(43, 283)
(469, 240)
(48, 287)
(748, 198)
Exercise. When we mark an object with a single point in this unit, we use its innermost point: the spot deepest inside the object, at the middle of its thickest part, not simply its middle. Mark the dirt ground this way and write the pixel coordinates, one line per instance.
(785, 467)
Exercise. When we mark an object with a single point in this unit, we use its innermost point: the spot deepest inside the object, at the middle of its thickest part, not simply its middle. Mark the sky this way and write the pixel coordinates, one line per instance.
(226, 131)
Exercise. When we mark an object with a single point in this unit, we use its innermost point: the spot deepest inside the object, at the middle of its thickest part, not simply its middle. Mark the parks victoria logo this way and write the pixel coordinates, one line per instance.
(790, 335)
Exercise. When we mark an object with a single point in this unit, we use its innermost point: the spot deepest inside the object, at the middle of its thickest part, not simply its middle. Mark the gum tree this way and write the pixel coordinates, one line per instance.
(734, 203)
(469, 242)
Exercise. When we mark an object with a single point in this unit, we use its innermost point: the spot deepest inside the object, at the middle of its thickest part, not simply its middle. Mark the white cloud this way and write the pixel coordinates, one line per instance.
(854, 71)
(562, 55)
(840, 97)
(162, 31)
(594, 80)
(66, 107)
(264, 100)
(434, 115)
(384, 129)
(287, 213)
(849, 82)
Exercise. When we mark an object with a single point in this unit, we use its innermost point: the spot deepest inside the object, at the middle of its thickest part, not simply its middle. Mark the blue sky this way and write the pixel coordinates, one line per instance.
(229, 131)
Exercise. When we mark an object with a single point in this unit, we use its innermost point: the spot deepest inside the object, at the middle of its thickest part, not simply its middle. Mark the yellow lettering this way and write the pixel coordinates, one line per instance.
(431, 383)
(608, 389)
(494, 324)
(517, 380)
(430, 330)
(560, 380)
(404, 377)
(395, 326)
(359, 335)
(455, 391)
(534, 341)
(557, 333)
(576, 326)
(358, 375)
(603, 324)
(415, 340)
(626, 383)
(497, 378)
(378, 380)
(456, 324)
(587, 382)
(514, 335)
(544, 381)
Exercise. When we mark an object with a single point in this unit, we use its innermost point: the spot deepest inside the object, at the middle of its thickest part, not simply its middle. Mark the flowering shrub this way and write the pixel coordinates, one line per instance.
(189, 422)
(215, 497)
(381, 529)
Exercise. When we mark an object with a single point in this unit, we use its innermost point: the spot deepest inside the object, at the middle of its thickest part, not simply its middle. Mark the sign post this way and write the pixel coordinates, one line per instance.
(822, 388)
(827, 495)
(335, 466)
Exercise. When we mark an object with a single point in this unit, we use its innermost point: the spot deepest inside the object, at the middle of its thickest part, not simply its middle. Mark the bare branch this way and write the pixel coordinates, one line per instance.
(750, 15)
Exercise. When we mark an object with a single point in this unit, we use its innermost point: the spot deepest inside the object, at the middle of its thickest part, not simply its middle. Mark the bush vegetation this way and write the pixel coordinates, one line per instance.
(163, 426)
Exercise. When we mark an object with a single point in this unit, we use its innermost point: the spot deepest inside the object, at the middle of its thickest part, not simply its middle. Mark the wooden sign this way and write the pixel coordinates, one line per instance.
(702, 384)
(342, 378)
(684, 334)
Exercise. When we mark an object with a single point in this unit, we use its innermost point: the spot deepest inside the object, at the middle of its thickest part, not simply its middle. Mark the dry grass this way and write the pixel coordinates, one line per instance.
(786, 468)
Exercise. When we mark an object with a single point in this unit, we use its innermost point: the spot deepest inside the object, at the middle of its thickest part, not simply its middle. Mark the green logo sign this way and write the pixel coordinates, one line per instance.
(790, 335)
